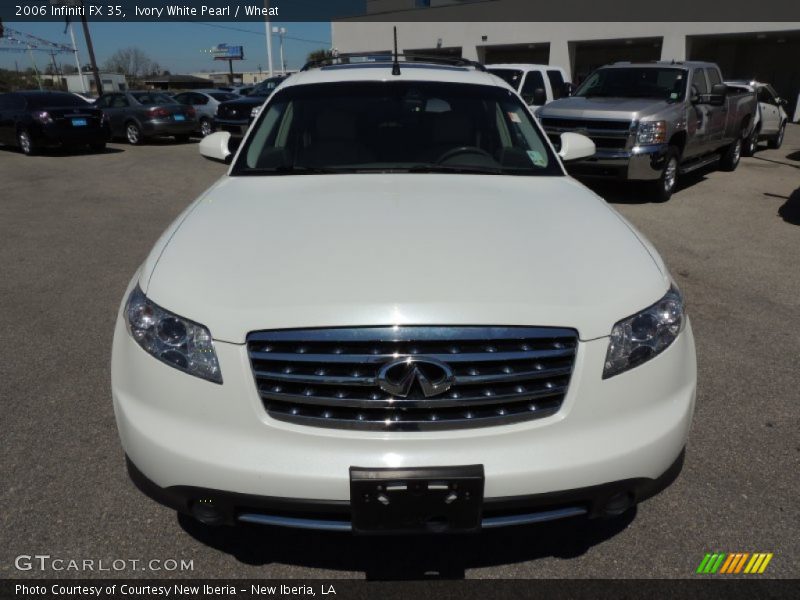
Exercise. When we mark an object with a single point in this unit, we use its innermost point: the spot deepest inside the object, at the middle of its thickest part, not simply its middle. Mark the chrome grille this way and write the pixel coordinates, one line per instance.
(609, 134)
(331, 377)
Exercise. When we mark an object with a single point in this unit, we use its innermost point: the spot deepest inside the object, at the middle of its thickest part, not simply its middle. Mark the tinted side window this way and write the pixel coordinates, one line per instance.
(119, 102)
(764, 95)
(713, 77)
(557, 83)
(103, 102)
(182, 98)
(533, 80)
(699, 81)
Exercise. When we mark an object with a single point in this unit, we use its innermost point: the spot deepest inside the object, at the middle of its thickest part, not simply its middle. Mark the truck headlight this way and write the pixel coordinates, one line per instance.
(254, 112)
(652, 132)
(178, 342)
(639, 338)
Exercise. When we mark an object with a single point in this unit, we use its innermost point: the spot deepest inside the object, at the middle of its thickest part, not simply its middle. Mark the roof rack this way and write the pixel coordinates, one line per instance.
(408, 57)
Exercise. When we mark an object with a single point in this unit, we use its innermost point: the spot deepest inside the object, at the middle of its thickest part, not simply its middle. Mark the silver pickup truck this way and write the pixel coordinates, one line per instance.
(654, 121)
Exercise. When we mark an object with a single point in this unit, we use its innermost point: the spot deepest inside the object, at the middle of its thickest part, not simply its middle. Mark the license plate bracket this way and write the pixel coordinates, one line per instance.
(79, 122)
(416, 500)
(179, 118)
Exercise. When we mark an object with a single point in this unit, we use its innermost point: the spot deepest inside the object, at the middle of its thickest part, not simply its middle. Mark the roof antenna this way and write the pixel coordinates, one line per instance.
(396, 63)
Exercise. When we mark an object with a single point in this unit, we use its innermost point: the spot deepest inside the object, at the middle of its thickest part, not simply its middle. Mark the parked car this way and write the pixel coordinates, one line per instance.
(235, 116)
(139, 115)
(655, 121)
(771, 118)
(537, 84)
(85, 98)
(396, 312)
(205, 103)
(35, 120)
(239, 90)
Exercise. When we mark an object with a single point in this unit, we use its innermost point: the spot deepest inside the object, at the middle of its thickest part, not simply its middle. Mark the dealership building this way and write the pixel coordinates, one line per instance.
(764, 51)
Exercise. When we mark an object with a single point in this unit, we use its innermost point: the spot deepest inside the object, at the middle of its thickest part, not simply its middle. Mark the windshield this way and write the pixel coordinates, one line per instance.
(148, 98)
(511, 76)
(644, 82)
(265, 88)
(396, 127)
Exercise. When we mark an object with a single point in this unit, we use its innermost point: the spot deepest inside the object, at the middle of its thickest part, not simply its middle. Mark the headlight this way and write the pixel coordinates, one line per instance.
(652, 132)
(180, 343)
(254, 112)
(639, 338)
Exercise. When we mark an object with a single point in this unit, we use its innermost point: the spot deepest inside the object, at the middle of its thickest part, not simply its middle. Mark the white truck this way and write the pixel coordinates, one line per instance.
(537, 84)
(770, 120)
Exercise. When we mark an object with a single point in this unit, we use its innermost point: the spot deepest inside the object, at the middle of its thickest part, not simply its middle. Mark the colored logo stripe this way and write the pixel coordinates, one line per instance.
(734, 563)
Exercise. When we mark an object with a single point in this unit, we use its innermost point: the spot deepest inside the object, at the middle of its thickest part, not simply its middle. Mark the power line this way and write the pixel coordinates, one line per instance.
(261, 33)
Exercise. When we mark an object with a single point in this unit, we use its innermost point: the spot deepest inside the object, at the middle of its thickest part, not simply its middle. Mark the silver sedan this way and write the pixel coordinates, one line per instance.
(205, 104)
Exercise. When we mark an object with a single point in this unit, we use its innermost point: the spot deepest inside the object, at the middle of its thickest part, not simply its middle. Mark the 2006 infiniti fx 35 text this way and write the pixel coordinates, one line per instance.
(397, 313)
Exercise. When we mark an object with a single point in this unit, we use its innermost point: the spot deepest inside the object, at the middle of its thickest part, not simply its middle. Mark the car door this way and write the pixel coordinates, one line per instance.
(770, 113)
(699, 115)
(6, 121)
(718, 115)
(120, 111)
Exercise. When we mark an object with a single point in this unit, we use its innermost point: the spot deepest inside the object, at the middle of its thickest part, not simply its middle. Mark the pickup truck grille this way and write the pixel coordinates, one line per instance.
(436, 377)
(604, 134)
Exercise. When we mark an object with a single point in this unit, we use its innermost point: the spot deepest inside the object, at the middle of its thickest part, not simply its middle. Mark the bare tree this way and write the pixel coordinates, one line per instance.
(132, 62)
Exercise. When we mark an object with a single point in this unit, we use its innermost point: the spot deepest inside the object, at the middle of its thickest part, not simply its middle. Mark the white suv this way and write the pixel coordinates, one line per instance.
(396, 312)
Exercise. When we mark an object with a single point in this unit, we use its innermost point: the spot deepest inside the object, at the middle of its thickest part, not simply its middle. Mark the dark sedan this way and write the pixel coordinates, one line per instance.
(137, 116)
(35, 120)
(236, 115)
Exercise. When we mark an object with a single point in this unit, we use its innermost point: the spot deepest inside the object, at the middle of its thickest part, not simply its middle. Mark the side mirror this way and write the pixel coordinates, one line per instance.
(781, 102)
(539, 97)
(575, 146)
(217, 146)
(717, 95)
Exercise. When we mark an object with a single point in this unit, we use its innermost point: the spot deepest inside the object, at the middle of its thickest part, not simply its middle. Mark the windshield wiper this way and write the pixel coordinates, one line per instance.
(292, 170)
(456, 169)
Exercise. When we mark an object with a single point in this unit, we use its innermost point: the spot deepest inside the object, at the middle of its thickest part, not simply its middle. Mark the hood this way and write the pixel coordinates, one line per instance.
(245, 101)
(628, 109)
(357, 250)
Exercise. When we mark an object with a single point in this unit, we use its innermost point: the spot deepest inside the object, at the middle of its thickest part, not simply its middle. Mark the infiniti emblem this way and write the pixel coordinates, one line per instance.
(398, 377)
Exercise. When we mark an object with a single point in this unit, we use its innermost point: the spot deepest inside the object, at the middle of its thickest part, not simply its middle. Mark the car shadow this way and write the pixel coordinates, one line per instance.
(67, 152)
(794, 156)
(408, 557)
(790, 210)
(636, 192)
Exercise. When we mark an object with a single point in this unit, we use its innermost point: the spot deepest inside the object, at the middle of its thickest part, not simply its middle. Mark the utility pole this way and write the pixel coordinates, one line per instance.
(281, 31)
(77, 58)
(269, 37)
(98, 84)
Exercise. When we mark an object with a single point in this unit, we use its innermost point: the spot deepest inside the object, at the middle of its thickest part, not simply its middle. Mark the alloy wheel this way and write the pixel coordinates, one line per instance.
(133, 133)
(670, 174)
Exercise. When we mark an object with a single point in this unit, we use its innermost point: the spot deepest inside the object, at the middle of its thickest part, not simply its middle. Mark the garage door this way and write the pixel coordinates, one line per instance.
(538, 54)
(770, 57)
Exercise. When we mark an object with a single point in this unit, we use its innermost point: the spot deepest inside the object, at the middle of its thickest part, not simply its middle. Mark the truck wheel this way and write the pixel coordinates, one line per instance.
(777, 141)
(731, 156)
(663, 187)
(751, 144)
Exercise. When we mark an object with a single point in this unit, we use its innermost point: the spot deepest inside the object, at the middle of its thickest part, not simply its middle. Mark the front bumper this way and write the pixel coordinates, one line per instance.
(184, 432)
(641, 163)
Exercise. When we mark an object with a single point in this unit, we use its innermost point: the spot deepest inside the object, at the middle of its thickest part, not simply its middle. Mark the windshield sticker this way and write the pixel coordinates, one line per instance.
(537, 158)
(514, 117)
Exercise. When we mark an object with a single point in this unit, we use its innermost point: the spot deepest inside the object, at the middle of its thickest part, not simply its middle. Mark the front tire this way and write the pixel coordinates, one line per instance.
(664, 186)
(777, 141)
(133, 134)
(732, 155)
(26, 143)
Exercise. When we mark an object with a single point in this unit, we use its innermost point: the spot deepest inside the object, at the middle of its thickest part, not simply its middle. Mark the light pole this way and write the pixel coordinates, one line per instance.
(269, 37)
(77, 58)
(281, 31)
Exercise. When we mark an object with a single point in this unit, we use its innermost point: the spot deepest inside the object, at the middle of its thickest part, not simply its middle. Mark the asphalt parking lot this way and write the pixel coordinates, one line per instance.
(73, 228)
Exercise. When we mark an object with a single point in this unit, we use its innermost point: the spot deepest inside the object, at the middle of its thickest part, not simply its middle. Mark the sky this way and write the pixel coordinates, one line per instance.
(177, 47)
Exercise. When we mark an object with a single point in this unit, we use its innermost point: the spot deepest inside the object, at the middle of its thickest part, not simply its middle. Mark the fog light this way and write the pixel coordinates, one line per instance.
(617, 505)
(206, 512)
